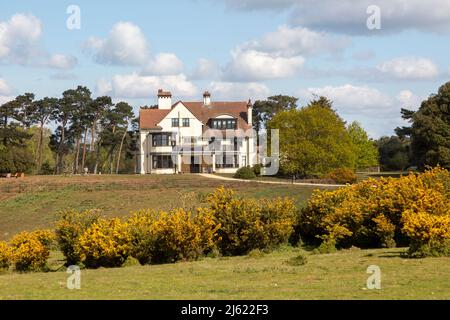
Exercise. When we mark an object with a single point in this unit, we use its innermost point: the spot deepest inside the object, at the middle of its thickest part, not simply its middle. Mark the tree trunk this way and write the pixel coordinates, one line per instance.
(59, 163)
(83, 158)
(39, 148)
(92, 146)
(120, 151)
(97, 156)
(77, 156)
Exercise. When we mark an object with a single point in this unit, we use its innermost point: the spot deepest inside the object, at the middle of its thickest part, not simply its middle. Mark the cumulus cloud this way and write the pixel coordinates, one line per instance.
(164, 64)
(239, 91)
(205, 69)
(411, 68)
(350, 16)
(5, 92)
(125, 45)
(138, 86)
(350, 99)
(377, 111)
(20, 44)
(289, 41)
(252, 65)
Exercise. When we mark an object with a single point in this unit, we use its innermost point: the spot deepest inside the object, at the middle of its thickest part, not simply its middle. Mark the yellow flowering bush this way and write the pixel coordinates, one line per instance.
(69, 228)
(106, 243)
(30, 251)
(427, 224)
(377, 213)
(5, 255)
(247, 224)
(171, 236)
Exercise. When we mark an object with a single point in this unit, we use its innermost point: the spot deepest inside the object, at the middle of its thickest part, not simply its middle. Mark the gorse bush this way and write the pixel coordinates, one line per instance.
(5, 255)
(342, 176)
(172, 236)
(106, 243)
(247, 224)
(69, 228)
(412, 210)
(30, 251)
(245, 173)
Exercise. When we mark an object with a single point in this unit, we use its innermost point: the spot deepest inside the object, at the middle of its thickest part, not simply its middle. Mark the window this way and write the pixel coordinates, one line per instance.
(223, 124)
(162, 162)
(162, 139)
(185, 122)
(227, 161)
(175, 122)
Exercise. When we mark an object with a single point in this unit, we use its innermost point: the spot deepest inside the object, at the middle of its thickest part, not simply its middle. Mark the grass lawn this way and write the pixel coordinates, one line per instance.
(267, 276)
(33, 202)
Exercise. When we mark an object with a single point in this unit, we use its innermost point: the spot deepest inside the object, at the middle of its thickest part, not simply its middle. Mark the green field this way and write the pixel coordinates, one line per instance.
(33, 202)
(331, 276)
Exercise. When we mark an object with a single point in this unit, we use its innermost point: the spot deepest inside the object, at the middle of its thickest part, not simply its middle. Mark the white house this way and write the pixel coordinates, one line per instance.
(195, 137)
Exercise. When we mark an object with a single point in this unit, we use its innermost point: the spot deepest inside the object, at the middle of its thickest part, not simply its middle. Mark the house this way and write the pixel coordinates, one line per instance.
(195, 137)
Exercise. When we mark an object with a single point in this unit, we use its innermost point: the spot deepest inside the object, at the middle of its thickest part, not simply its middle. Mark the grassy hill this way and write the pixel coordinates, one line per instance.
(32, 203)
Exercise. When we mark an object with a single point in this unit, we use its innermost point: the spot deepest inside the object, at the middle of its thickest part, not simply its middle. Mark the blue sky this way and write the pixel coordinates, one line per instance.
(237, 50)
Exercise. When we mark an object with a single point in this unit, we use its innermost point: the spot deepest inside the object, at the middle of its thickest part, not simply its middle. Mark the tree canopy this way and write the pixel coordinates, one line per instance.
(313, 140)
(430, 130)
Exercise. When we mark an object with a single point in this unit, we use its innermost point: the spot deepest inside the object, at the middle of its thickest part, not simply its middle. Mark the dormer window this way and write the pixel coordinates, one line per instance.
(223, 124)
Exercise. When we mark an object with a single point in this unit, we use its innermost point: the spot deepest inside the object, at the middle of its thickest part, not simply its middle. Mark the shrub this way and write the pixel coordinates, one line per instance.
(106, 243)
(296, 261)
(69, 228)
(169, 237)
(382, 213)
(245, 173)
(28, 252)
(248, 224)
(5, 255)
(427, 224)
(342, 176)
(257, 169)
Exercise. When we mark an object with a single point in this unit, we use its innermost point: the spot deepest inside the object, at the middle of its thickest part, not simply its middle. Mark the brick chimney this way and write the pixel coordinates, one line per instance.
(206, 98)
(250, 113)
(164, 99)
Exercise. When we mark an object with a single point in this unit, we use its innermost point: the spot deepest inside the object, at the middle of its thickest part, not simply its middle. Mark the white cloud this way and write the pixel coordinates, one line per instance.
(205, 69)
(251, 65)
(239, 91)
(378, 112)
(138, 86)
(20, 44)
(5, 89)
(125, 45)
(164, 64)
(350, 99)
(5, 92)
(18, 38)
(103, 87)
(408, 100)
(60, 61)
(290, 42)
(349, 16)
(410, 68)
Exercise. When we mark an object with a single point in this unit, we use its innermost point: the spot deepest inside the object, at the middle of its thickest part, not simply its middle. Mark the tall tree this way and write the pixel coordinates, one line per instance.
(394, 153)
(265, 110)
(430, 130)
(44, 110)
(367, 152)
(125, 116)
(313, 141)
